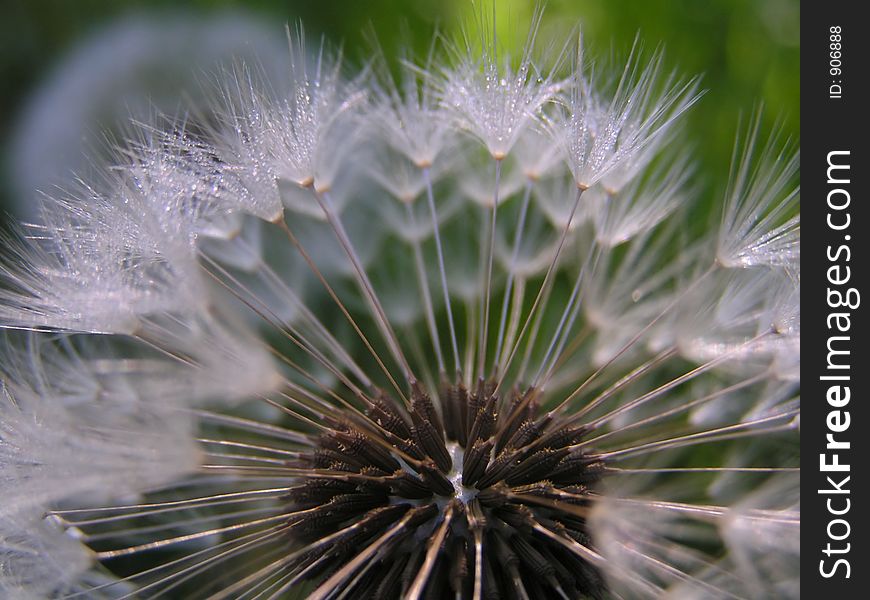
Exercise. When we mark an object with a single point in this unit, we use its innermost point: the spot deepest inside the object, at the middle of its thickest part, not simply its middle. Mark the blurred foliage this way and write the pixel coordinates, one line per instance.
(748, 51)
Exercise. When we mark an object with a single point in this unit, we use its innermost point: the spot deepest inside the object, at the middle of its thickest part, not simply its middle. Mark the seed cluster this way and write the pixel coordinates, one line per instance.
(494, 494)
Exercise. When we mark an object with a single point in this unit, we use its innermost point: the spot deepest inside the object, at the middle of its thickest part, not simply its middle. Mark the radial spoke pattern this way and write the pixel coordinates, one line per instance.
(434, 335)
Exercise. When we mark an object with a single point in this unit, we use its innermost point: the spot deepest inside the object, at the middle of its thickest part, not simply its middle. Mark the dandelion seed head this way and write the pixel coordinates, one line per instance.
(495, 474)
(443, 334)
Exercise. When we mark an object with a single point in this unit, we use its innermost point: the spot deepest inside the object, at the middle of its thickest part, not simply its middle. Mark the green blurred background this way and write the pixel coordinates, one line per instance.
(748, 51)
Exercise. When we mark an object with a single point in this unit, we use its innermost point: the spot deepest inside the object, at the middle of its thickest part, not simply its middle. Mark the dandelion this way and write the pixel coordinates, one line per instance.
(435, 336)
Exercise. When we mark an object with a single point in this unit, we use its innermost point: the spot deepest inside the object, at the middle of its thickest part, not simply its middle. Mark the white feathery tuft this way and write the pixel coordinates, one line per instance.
(71, 432)
(619, 130)
(216, 359)
(38, 560)
(300, 135)
(760, 224)
(732, 320)
(762, 533)
(489, 98)
(104, 257)
(643, 203)
(407, 113)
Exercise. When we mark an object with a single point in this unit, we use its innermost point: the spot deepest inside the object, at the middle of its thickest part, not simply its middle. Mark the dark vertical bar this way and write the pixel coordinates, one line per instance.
(835, 440)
